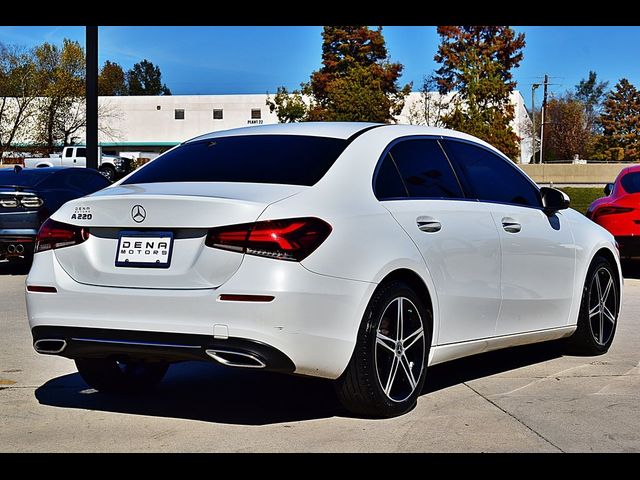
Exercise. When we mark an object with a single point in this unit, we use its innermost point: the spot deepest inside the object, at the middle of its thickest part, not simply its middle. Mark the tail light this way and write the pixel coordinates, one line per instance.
(610, 210)
(290, 239)
(31, 202)
(54, 235)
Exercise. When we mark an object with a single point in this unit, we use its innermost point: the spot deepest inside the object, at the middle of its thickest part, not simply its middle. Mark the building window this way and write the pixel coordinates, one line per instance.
(179, 114)
(256, 114)
(217, 114)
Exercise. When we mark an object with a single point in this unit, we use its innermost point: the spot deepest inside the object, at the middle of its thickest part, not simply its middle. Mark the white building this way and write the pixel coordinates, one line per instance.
(144, 126)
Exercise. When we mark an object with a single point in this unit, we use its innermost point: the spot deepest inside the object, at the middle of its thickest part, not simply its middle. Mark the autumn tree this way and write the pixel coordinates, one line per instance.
(61, 73)
(477, 64)
(18, 94)
(112, 80)
(591, 93)
(620, 122)
(357, 81)
(145, 78)
(567, 132)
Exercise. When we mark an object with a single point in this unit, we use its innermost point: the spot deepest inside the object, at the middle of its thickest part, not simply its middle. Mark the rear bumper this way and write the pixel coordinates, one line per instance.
(313, 319)
(629, 247)
(16, 242)
(156, 346)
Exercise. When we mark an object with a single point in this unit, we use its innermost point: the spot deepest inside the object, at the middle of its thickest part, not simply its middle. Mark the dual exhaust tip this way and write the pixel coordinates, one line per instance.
(228, 358)
(14, 248)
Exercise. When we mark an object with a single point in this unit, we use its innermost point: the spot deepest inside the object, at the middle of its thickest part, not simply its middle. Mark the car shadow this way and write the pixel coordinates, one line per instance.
(631, 269)
(211, 393)
(14, 268)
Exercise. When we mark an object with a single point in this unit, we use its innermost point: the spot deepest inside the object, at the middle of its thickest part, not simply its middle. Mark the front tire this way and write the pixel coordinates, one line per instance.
(598, 317)
(108, 172)
(388, 367)
(111, 376)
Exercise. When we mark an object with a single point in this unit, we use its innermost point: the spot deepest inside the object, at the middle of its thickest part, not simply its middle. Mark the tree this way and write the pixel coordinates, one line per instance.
(591, 93)
(289, 107)
(567, 132)
(620, 121)
(357, 81)
(18, 93)
(429, 110)
(61, 73)
(112, 80)
(146, 79)
(476, 67)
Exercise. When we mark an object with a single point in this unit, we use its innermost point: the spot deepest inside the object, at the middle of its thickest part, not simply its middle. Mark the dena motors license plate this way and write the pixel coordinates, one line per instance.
(144, 249)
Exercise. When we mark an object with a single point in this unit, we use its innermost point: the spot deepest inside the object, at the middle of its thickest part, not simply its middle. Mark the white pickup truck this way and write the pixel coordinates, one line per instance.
(76, 156)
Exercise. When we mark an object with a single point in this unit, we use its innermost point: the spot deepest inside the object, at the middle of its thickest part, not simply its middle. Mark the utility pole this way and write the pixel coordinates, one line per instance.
(533, 121)
(91, 95)
(544, 106)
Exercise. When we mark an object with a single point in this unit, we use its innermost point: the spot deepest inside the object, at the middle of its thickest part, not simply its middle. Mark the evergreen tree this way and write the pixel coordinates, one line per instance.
(146, 79)
(476, 64)
(620, 121)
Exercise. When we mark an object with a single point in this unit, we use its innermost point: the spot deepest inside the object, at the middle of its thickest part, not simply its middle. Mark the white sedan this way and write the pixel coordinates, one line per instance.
(357, 252)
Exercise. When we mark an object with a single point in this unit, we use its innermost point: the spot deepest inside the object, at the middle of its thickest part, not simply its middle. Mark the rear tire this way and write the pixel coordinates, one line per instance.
(598, 317)
(388, 342)
(110, 376)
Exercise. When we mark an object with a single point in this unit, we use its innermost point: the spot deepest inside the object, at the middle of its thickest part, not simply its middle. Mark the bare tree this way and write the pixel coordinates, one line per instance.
(18, 92)
(431, 106)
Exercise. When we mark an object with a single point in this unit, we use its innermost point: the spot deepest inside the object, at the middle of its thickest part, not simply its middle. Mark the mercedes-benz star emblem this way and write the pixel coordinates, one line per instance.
(138, 213)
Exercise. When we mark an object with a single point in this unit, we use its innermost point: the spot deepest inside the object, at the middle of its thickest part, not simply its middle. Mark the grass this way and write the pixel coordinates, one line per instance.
(581, 197)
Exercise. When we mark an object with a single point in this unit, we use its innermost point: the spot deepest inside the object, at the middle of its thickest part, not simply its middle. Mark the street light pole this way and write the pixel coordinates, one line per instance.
(91, 95)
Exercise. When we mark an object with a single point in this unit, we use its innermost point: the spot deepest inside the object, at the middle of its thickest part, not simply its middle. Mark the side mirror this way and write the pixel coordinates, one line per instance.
(608, 188)
(554, 200)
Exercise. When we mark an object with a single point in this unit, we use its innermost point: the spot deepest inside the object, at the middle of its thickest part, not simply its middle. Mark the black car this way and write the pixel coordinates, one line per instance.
(28, 196)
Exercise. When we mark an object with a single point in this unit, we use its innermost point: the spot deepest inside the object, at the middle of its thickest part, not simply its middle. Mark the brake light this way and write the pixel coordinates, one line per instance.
(54, 235)
(610, 210)
(31, 202)
(289, 239)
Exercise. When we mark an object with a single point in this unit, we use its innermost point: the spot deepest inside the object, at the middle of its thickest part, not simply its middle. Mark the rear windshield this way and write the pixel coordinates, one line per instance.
(24, 178)
(283, 159)
(631, 182)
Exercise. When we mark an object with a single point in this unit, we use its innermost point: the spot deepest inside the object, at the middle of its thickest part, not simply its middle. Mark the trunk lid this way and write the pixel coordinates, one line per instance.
(187, 210)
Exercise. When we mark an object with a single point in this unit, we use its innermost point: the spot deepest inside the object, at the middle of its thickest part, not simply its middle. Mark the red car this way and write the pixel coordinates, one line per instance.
(619, 211)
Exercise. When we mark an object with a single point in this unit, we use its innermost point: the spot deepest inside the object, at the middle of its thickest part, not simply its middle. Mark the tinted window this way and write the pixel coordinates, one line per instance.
(24, 178)
(284, 159)
(68, 153)
(92, 182)
(81, 152)
(217, 114)
(425, 169)
(631, 182)
(492, 178)
(388, 181)
(178, 114)
(256, 113)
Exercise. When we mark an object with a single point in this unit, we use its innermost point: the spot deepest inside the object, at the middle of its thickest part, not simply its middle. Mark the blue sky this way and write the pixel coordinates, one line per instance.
(258, 59)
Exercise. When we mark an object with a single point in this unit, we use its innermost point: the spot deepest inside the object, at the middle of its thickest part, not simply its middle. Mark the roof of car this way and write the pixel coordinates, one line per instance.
(343, 130)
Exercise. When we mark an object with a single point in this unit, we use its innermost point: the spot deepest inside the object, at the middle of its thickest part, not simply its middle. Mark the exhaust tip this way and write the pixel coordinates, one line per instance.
(50, 346)
(236, 359)
(11, 248)
(19, 248)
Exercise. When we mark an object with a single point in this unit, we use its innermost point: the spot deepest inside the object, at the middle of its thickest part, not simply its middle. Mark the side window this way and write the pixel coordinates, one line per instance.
(425, 169)
(68, 153)
(388, 181)
(490, 177)
(81, 152)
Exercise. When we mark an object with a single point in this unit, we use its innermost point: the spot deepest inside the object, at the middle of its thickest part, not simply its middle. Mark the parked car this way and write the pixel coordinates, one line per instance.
(619, 211)
(357, 252)
(29, 196)
(108, 165)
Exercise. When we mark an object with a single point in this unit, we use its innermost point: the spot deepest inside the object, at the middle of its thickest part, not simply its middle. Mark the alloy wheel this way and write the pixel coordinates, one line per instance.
(400, 349)
(603, 306)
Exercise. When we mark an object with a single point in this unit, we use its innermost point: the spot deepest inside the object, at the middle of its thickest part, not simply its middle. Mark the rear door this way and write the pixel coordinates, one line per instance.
(538, 251)
(456, 236)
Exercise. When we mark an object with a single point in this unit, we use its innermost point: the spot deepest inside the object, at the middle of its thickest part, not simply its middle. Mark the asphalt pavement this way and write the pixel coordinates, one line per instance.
(524, 399)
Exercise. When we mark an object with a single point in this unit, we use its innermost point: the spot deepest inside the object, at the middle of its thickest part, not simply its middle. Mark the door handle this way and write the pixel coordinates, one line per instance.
(510, 225)
(428, 224)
